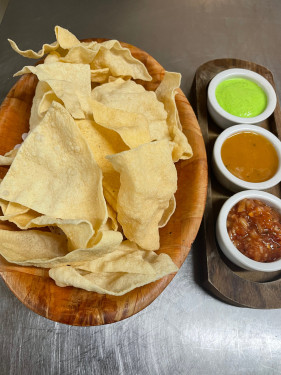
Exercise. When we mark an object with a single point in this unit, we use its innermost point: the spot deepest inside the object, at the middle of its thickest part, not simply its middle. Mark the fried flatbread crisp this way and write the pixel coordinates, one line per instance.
(131, 97)
(70, 82)
(65, 40)
(8, 158)
(45, 249)
(148, 181)
(55, 174)
(117, 273)
(132, 127)
(166, 92)
(102, 142)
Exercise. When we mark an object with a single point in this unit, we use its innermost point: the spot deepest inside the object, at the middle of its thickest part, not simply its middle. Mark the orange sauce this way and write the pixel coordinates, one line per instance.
(250, 157)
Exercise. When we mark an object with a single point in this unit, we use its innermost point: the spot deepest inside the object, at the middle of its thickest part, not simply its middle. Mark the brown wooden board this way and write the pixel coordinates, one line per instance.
(227, 281)
(75, 306)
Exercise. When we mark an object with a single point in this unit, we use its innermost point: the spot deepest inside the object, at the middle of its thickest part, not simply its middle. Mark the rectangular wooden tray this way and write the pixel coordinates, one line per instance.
(227, 281)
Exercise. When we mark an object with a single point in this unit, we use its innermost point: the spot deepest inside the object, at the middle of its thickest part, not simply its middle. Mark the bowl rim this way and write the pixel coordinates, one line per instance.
(252, 76)
(221, 229)
(240, 128)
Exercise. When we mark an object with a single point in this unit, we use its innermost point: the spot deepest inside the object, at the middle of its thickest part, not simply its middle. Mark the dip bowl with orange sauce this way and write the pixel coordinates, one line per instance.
(248, 230)
(247, 157)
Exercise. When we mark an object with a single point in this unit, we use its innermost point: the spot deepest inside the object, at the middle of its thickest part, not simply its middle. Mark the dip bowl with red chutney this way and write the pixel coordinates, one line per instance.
(248, 230)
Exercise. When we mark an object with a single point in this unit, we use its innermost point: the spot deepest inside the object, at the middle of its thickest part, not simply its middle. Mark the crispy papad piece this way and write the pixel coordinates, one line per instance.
(55, 174)
(120, 61)
(3, 204)
(30, 247)
(132, 127)
(71, 83)
(42, 100)
(168, 212)
(65, 40)
(107, 55)
(23, 219)
(112, 218)
(102, 142)
(10, 209)
(52, 57)
(112, 79)
(8, 158)
(20, 215)
(45, 249)
(131, 97)
(100, 75)
(46, 48)
(148, 181)
(35, 118)
(128, 257)
(117, 273)
(15, 209)
(81, 54)
(78, 232)
(166, 93)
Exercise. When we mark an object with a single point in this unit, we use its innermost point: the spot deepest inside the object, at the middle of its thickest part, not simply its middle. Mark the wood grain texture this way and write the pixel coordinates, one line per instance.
(74, 306)
(227, 281)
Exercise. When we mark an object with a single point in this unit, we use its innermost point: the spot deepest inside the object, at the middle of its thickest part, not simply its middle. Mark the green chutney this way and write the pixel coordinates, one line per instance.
(241, 97)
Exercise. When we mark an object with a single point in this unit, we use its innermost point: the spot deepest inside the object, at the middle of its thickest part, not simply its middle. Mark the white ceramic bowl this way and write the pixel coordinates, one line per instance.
(225, 243)
(232, 182)
(225, 119)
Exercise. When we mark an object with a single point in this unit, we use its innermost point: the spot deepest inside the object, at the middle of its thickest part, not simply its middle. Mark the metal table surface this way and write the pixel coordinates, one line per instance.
(185, 330)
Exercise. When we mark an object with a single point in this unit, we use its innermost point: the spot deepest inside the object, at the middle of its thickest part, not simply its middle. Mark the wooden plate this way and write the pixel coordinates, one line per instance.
(70, 305)
(225, 280)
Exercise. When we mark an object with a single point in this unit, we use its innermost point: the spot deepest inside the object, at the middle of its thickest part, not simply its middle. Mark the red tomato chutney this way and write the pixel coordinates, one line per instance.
(255, 230)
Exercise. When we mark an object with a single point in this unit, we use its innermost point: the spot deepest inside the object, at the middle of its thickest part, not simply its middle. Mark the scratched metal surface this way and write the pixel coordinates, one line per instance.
(186, 330)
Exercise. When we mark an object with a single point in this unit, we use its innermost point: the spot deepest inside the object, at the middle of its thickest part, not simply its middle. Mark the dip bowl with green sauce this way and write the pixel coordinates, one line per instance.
(240, 96)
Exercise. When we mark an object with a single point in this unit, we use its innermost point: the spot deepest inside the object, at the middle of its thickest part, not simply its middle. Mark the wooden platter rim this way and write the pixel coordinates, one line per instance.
(234, 60)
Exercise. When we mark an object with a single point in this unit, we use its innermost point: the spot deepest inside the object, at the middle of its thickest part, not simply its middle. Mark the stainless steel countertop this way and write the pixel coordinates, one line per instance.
(185, 330)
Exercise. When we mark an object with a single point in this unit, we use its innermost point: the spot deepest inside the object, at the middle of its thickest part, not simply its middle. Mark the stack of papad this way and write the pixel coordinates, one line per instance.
(94, 179)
